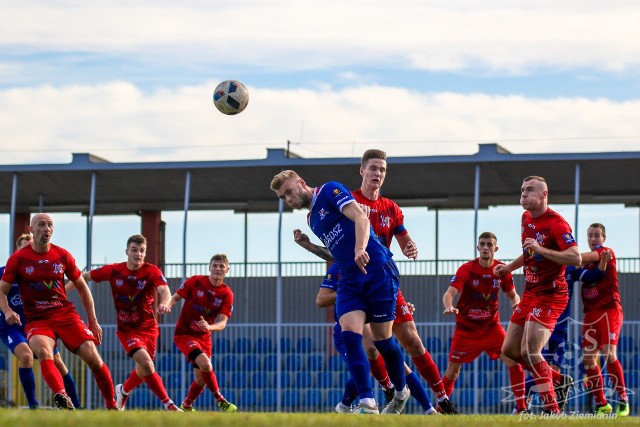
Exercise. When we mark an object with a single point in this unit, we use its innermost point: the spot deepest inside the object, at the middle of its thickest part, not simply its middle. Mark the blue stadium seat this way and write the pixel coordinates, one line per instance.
(485, 363)
(259, 379)
(335, 363)
(221, 345)
(284, 378)
(491, 398)
(314, 363)
(230, 395)
(303, 380)
(324, 379)
(269, 398)
(290, 399)
(293, 363)
(632, 379)
(263, 345)
(465, 398)
(173, 379)
(313, 399)
(238, 379)
(433, 345)
(221, 377)
(166, 362)
(626, 344)
(250, 362)
(242, 345)
(248, 399)
(229, 362)
(499, 380)
(285, 345)
(334, 396)
(304, 345)
(442, 361)
(141, 399)
(271, 362)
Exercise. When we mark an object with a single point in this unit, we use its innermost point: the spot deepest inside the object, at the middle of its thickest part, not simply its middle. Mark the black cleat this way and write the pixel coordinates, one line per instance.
(448, 407)
(62, 401)
(388, 394)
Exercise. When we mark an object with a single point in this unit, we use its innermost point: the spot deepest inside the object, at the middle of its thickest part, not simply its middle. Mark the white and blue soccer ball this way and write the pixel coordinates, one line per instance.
(231, 97)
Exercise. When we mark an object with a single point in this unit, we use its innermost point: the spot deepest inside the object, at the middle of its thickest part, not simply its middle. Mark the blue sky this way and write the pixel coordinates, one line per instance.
(133, 82)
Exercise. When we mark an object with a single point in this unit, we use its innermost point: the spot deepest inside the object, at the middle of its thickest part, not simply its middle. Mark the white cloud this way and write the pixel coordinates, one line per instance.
(511, 36)
(120, 122)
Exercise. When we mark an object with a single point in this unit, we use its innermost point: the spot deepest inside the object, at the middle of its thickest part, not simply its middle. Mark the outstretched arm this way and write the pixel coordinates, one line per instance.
(303, 240)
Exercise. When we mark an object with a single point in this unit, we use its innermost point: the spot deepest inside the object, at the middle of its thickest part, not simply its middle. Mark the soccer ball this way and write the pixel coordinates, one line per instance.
(231, 97)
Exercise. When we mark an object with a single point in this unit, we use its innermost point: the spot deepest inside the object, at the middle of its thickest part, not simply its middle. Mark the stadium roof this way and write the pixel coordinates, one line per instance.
(447, 182)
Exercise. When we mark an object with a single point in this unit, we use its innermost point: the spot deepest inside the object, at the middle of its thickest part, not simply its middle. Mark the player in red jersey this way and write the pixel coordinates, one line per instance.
(387, 221)
(548, 246)
(602, 322)
(208, 304)
(39, 269)
(478, 325)
(133, 285)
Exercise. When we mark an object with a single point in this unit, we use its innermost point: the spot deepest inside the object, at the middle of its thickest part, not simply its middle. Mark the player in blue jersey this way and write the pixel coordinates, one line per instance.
(14, 338)
(368, 284)
(327, 297)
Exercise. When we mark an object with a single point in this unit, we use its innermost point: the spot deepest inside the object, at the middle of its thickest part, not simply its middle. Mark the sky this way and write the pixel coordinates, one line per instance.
(133, 81)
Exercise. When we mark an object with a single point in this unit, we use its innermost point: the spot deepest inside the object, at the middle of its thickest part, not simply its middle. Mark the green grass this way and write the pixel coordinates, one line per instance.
(54, 418)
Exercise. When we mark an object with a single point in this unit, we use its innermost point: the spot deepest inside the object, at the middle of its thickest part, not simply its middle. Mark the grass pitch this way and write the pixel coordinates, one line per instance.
(55, 418)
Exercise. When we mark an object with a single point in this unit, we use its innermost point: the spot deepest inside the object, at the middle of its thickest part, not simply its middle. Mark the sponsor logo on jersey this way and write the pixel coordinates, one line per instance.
(453, 279)
(568, 238)
(331, 236)
(43, 261)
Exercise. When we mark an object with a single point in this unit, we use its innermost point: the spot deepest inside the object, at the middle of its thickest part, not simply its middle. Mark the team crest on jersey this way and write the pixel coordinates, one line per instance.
(384, 221)
(476, 282)
(496, 283)
(141, 284)
(568, 238)
(119, 282)
(540, 238)
(337, 192)
(58, 268)
(29, 270)
(217, 302)
(200, 294)
(322, 212)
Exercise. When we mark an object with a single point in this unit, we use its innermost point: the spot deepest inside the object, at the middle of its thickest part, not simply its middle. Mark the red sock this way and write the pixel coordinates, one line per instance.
(617, 376)
(157, 387)
(448, 385)
(542, 377)
(556, 377)
(105, 385)
(524, 364)
(379, 372)
(211, 381)
(195, 390)
(429, 372)
(517, 381)
(52, 376)
(593, 382)
(132, 382)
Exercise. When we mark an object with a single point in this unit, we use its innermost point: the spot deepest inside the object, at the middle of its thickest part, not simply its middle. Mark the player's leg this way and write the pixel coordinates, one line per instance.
(42, 347)
(350, 394)
(376, 363)
(534, 338)
(418, 392)
(517, 381)
(451, 375)
(392, 355)
(23, 353)
(203, 361)
(591, 343)
(145, 368)
(89, 354)
(67, 378)
(609, 350)
(195, 390)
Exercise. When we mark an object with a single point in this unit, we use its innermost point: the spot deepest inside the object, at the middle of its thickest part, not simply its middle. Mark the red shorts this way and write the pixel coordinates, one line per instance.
(601, 327)
(403, 314)
(187, 343)
(466, 345)
(542, 310)
(139, 340)
(70, 330)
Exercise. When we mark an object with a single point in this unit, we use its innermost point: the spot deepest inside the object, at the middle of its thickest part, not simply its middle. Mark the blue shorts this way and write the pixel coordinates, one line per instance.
(554, 352)
(13, 335)
(374, 293)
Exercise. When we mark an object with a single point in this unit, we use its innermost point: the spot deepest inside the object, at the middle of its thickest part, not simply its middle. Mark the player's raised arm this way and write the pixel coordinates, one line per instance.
(303, 240)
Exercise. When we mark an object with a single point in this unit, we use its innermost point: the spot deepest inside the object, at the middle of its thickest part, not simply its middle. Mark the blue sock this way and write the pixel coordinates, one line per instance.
(28, 382)
(358, 363)
(393, 360)
(350, 392)
(418, 391)
(70, 388)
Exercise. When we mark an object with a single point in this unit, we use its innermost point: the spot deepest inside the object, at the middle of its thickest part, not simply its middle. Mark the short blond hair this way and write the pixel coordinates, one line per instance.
(219, 257)
(280, 178)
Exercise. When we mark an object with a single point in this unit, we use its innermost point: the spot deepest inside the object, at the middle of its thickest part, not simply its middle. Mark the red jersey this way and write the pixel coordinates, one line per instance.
(604, 294)
(543, 276)
(133, 293)
(478, 301)
(40, 279)
(386, 217)
(201, 298)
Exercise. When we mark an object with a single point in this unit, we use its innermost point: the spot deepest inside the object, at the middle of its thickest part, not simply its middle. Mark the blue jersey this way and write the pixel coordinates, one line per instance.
(15, 303)
(337, 232)
(330, 282)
